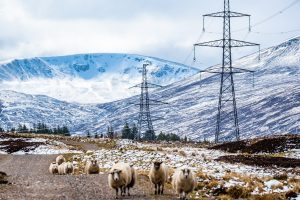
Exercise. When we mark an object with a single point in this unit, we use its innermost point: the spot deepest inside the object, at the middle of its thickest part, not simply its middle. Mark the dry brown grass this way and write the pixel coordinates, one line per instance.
(274, 196)
(212, 184)
(182, 153)
(237, 192)
(281, 176)
(107, 144)
(224, 197)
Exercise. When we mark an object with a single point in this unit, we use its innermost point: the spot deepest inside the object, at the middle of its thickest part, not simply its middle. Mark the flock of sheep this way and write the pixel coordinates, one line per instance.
(123, 176)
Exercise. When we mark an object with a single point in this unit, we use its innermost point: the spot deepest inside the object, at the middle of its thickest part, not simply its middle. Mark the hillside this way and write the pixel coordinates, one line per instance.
(270, 106)
(87, 78)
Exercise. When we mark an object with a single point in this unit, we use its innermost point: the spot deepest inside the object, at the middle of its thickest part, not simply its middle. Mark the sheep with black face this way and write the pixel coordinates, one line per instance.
(183, 182)
(158, 175)
(92, 167)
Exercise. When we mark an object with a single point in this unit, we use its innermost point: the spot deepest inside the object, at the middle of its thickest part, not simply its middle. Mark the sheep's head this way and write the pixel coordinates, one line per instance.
(69, 167)
(94, 162)
(157, 164)
(116, 174)
(186, 173)
(55, 167)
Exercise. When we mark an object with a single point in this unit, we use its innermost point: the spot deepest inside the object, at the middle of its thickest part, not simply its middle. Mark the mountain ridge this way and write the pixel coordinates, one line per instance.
(270, 106)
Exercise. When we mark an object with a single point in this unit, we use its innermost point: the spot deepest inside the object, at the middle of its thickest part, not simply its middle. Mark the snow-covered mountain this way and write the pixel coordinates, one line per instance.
(270, 105)
(87, 78)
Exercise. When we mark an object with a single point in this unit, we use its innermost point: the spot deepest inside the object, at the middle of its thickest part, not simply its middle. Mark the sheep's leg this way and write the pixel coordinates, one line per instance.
(158, 188)
(123, 191)
(184, 196)
(162, 189)
(128, 192)
(117, 192)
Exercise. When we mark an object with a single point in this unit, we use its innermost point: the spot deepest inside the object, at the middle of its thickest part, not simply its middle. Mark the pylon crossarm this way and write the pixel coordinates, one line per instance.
(157, 101)
(240, 43)
(157, 118)
(152, 85)
(231, 14)
(149, 85)
(237, 14)
(214, 43)
(216, 14)
(235, 70)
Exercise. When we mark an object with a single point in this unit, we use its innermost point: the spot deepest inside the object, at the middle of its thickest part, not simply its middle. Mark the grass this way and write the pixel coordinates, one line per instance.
(281, 176)
(237, 192)
(107, 144)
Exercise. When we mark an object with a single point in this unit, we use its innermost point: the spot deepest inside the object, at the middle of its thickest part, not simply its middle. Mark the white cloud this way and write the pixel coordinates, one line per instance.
(165, 29)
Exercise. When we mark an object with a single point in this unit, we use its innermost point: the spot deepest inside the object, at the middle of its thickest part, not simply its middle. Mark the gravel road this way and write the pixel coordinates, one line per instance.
(30, 179)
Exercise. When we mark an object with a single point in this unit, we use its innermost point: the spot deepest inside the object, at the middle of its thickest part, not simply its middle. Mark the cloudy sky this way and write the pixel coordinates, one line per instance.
(160, 28)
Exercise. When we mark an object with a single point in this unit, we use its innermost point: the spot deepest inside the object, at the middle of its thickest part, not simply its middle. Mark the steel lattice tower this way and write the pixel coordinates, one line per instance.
(145, 118)
(144, 121)
(227, 117)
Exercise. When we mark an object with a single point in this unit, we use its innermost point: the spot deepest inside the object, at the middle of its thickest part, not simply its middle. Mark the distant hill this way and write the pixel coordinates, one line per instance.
(272, 106)
(87, 78)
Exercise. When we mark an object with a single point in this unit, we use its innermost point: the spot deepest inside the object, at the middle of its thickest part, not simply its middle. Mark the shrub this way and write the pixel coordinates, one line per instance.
(238, 192)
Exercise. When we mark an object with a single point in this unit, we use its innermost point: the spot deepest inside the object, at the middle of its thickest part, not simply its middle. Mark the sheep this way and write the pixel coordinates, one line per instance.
(183, 182)
(53, 168)
(133, 179)
(158, 175)
(120, 177)
(65, 168)
(60, 159)
(92, 167)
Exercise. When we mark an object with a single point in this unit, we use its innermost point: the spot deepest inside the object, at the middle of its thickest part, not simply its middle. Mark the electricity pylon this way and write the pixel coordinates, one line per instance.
(227, 117)
(145, 126)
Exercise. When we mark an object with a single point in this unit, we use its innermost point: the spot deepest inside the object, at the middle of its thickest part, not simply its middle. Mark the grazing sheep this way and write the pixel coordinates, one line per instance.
(120, 177)
(158, 176)
(183, 182)
(53, 168)
(60, 159)
(65, 168)
(133, 179)
(92, 167)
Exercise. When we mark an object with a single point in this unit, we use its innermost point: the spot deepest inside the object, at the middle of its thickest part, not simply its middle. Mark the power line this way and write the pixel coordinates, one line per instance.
(271, 16)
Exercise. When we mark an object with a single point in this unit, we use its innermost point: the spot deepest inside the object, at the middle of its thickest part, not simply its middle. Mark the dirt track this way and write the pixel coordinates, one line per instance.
(29, 178)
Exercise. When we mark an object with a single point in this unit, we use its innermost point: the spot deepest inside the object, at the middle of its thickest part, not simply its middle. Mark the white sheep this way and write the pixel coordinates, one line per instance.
(158, 175)
(183, 182)
(60, 159)
(53, 168)
(120, 176)
(92, 167)
(65, 168)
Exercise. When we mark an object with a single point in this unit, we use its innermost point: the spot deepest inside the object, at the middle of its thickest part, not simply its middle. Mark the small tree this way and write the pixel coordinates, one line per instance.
(88, 135)
(134, 132)
(149, 135)
(96, 135)
(110, 132)
(161, 136)
(185, 139)
(66, 131)
(126, 132)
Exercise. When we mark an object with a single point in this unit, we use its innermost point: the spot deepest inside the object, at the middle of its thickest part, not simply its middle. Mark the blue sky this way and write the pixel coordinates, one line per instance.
(161, 28)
